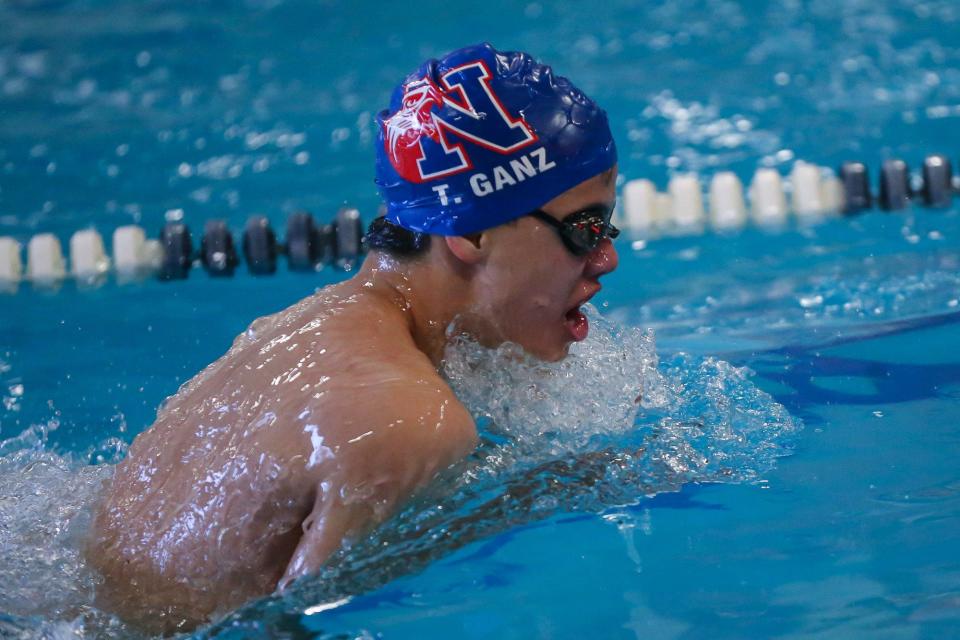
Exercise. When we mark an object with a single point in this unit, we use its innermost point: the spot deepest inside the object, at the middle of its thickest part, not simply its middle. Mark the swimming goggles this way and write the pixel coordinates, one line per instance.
(582, 231)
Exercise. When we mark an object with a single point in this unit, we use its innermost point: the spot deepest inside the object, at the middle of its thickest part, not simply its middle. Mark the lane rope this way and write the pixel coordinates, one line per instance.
(809, 192)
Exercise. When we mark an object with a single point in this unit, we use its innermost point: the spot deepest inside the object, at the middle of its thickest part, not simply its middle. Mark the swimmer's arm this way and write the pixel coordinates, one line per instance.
(417, 433)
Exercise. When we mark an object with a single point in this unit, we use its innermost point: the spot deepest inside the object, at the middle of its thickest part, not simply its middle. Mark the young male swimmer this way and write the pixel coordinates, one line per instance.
(498, 178)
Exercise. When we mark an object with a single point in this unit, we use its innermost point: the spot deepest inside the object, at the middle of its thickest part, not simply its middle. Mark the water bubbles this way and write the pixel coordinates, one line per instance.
(689, 416)
(587, 45)
(32, 65)
(15, 86)
(254, 140)
(784, 155)
(290, 140)
(339, 135)
(851, 65)
(173, 215)
(553, 408)
(937, 112)
(45, 511)
(201, 195)
(700, 136)
(231, 82)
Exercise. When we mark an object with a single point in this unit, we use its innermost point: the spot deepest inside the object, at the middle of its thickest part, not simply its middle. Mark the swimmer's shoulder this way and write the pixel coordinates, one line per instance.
(372, 326)
(376, 384)
(392, 391)
(400, 390)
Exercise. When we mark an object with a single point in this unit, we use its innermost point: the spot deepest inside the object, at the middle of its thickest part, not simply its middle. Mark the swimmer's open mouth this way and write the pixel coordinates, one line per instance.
(574, 319)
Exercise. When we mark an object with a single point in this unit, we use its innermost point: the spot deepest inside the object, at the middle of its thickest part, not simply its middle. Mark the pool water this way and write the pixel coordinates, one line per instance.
(799, 434)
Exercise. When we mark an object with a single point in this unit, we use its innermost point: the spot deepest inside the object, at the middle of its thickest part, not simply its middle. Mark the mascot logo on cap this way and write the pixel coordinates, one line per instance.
(427, 137)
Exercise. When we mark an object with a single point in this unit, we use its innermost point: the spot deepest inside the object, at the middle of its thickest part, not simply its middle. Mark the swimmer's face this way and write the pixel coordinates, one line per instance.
(531, 286)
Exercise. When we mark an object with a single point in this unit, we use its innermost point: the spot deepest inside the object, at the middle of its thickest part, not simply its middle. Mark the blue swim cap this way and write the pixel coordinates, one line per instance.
(482, 137)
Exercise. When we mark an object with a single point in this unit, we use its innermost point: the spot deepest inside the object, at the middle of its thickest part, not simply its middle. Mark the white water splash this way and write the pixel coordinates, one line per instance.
(46, 503)
(555, 408)
(697, 419)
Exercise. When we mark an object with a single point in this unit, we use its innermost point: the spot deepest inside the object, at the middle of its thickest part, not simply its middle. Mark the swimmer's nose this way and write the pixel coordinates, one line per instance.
(602, 260)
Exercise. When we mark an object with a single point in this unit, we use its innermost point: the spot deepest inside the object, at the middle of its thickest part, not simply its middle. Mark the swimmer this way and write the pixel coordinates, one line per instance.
(321, 420)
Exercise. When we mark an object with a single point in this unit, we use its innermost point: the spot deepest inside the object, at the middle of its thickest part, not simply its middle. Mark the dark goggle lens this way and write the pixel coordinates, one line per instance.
(583, 231)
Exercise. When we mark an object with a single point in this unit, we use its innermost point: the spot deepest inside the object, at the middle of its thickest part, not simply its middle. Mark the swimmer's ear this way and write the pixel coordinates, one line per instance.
(469, 249)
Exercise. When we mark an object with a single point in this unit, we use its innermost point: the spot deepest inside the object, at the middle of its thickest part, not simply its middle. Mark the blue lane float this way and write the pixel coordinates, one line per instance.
(348, 233)
(895, 190)
(260, 246)
(177, 251)
(937, 181)
(856, 187)
(217, 253)
(306, 243)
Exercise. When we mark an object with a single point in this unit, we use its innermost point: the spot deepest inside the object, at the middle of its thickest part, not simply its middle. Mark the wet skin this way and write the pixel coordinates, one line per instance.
(323, 418)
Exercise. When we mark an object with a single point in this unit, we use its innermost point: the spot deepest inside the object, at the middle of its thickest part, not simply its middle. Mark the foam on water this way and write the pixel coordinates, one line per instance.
(547, 409)
(46, 503)
(700, 417)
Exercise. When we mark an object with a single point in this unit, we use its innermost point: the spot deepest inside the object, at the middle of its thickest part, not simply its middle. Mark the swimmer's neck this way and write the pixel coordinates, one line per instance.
(428, 294)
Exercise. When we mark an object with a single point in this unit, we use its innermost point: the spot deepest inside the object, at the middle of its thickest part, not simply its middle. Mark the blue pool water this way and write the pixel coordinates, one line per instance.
(800, 428)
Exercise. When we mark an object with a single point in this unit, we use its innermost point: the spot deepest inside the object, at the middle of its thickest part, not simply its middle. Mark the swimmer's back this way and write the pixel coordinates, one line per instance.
(319, 419)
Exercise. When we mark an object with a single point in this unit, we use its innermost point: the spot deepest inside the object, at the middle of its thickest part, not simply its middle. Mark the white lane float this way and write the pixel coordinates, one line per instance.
(727, 208)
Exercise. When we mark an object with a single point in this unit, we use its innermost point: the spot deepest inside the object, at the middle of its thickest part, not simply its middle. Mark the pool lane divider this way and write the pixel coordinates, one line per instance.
(308, 246)
(809, 192)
